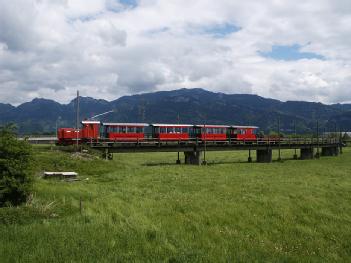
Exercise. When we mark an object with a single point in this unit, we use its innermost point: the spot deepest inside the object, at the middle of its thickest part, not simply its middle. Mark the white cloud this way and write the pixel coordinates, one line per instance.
(108, 49)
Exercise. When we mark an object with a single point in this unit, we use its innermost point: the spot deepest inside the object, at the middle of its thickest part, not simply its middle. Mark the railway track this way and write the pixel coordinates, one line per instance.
(150, 145)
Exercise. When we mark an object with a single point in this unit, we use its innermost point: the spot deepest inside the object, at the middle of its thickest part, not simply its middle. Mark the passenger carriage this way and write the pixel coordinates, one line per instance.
(171, 132)
(211, 132)
(247, 133)
(124, 131)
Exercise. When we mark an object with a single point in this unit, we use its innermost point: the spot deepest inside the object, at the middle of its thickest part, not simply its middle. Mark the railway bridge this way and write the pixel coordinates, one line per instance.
(195, 150)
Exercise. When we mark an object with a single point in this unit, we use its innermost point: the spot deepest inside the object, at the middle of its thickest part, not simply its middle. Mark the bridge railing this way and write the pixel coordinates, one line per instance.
(196, 141)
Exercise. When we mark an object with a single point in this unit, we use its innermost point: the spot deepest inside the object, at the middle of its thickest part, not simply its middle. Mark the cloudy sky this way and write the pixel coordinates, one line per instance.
(283, 49)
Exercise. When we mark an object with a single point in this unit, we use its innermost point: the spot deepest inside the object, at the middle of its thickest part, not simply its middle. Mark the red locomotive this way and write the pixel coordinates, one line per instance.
(66, 136)
(93, 131)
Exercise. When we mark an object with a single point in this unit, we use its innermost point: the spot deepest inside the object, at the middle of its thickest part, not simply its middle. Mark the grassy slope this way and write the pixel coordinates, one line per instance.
(143, 208)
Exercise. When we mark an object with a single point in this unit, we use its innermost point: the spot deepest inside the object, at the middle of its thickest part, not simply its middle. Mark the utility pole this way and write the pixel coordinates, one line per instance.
(142, 110)
(178, 118)
(317, 154)
(279, 154)
(295, 155)
(77, 119)
(204, 162)
(340, 140)
(57, 124)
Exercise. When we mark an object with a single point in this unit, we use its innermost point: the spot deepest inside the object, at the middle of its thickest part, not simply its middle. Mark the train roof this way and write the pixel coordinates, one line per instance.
(90, 122)
(211, 126)
(170, 125)
(244, 127)
(124, 124)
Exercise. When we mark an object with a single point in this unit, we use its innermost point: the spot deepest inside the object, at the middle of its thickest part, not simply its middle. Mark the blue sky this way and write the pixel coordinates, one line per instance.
(132, 3)
(221, 30)
(290, 53)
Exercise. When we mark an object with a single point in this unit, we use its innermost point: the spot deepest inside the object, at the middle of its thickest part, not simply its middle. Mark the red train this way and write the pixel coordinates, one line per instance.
(93, 131)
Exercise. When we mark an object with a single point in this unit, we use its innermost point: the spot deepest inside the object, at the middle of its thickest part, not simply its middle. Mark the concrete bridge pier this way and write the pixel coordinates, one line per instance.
(306, 153)
(330, 151)
(295, 155)
(193, 157)
(264, 156)
(327, 151)
(335, 151)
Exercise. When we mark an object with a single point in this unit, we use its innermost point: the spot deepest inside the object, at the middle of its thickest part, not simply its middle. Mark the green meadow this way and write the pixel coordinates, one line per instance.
(145, 208)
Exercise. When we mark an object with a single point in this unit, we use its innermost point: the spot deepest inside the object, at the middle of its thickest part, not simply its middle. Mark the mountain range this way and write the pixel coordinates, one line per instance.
(192, 106)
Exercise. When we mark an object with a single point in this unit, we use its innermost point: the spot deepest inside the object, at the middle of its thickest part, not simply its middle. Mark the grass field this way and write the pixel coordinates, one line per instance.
(144, 208)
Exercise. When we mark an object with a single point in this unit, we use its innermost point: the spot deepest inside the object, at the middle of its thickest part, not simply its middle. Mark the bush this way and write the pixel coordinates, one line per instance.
(16, 173)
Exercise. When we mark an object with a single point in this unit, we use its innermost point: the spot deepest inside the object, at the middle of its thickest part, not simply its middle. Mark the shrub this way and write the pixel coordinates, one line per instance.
(16, 173)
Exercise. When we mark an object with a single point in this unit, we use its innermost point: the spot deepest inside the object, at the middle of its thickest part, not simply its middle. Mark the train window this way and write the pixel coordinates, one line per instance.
(130, 129)
(185, 130)
(163, 130)
(139, 129)
(178, 130)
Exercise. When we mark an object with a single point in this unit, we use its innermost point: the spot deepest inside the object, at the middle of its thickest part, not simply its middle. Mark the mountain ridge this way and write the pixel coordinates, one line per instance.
(184, 105)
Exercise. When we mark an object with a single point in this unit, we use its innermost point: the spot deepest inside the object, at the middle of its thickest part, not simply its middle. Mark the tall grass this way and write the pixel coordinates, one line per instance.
(144, 207)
